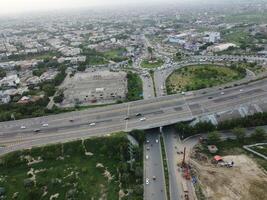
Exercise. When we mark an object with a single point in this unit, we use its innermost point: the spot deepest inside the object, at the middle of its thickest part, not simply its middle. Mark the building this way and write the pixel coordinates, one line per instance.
(10, 81)
(212, 37)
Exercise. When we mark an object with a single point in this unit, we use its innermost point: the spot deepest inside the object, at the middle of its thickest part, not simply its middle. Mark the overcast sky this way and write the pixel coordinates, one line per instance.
(18, 6)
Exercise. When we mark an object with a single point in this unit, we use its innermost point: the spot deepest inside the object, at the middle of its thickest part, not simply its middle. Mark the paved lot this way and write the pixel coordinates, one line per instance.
(101, 86)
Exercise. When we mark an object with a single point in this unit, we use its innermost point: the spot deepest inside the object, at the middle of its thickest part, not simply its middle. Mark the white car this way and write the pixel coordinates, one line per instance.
(147, 141)
(222, 93)
(147, 181)
(142, 119)
(45, 125)
(92, 124)
(157, 141)
(23, 127)
(146, 157)
(241, 90)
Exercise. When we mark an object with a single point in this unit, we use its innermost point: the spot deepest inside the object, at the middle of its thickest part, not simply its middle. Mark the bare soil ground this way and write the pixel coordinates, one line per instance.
(244, 181)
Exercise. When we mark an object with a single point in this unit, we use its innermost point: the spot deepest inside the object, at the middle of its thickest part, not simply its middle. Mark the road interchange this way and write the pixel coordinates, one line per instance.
(158, 112)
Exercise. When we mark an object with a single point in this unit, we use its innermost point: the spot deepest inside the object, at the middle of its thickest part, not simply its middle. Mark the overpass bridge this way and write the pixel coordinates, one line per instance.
(215, 106)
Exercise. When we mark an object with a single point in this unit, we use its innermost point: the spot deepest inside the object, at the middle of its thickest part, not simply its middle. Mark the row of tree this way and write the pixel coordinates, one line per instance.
(259, 135)
(186, 130)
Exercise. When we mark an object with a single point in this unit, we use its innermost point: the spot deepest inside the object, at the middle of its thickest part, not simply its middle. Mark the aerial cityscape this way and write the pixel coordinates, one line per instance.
(133, 100)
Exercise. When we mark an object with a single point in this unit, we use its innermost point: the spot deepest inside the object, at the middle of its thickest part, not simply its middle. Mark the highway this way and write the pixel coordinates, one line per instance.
(172, 146)
(158, 111)
(153, 167)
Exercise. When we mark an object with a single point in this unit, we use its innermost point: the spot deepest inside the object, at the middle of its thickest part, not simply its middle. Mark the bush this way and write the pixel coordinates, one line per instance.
(213, 137)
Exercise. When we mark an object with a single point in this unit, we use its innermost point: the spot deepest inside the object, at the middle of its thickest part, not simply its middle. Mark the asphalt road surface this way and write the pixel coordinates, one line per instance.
(153, 166)
(155, 112)
(172, 146)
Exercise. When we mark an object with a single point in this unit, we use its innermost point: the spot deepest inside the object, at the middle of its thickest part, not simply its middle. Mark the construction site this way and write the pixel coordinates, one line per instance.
(232, 177)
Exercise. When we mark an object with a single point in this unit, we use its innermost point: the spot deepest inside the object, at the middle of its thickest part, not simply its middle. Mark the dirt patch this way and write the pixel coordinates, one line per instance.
(244, 181)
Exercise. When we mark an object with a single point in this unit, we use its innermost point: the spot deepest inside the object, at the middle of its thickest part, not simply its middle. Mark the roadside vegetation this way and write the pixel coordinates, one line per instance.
(135, 87)
(95, 168)
(185, 129)
(202, 76)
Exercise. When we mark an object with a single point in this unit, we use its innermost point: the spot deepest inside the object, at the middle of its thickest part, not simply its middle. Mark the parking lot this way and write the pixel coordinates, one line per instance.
(94, 87)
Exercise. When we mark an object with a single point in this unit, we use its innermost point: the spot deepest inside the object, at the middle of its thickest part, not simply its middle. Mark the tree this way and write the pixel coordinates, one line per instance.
(17, 67)
(204, 127)
(239, 133)
(49, 89)
(259, 134)
(213, 137)
(81, 68)
(150, 51)
(2, 73)
(59, 98)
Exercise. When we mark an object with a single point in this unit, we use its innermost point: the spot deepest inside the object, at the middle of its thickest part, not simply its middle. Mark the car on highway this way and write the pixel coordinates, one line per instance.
(44, 125)
(92, 124)
(154, 178)
(147, 181)
(23, 127)
(126, 118)
(241, 90)
(222, 93)
(147, 141)
(71, 120)
(157, 141)
(138, 114)
(37, 130)
(147, 148)
(142, 119)
(146, 157)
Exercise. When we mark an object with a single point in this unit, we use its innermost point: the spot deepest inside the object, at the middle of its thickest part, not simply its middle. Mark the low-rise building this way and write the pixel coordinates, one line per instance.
(10, 81)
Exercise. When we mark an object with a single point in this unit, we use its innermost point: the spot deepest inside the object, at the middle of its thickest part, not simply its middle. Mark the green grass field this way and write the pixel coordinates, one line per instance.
(154, 64)
(66, 170)
(202, 76)
(115, 55)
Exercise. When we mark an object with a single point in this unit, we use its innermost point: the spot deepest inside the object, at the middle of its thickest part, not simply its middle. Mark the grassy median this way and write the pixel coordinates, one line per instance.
(165, 167)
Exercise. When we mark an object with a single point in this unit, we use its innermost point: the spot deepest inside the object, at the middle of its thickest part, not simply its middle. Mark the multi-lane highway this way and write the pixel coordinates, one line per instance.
(154, 113)
(153, 168)
(172, 147)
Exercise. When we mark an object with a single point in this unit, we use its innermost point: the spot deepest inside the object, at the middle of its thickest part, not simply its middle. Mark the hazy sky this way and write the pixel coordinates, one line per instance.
(18, 6)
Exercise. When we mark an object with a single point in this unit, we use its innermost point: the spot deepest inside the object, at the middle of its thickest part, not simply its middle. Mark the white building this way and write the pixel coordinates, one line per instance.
(212, 37)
